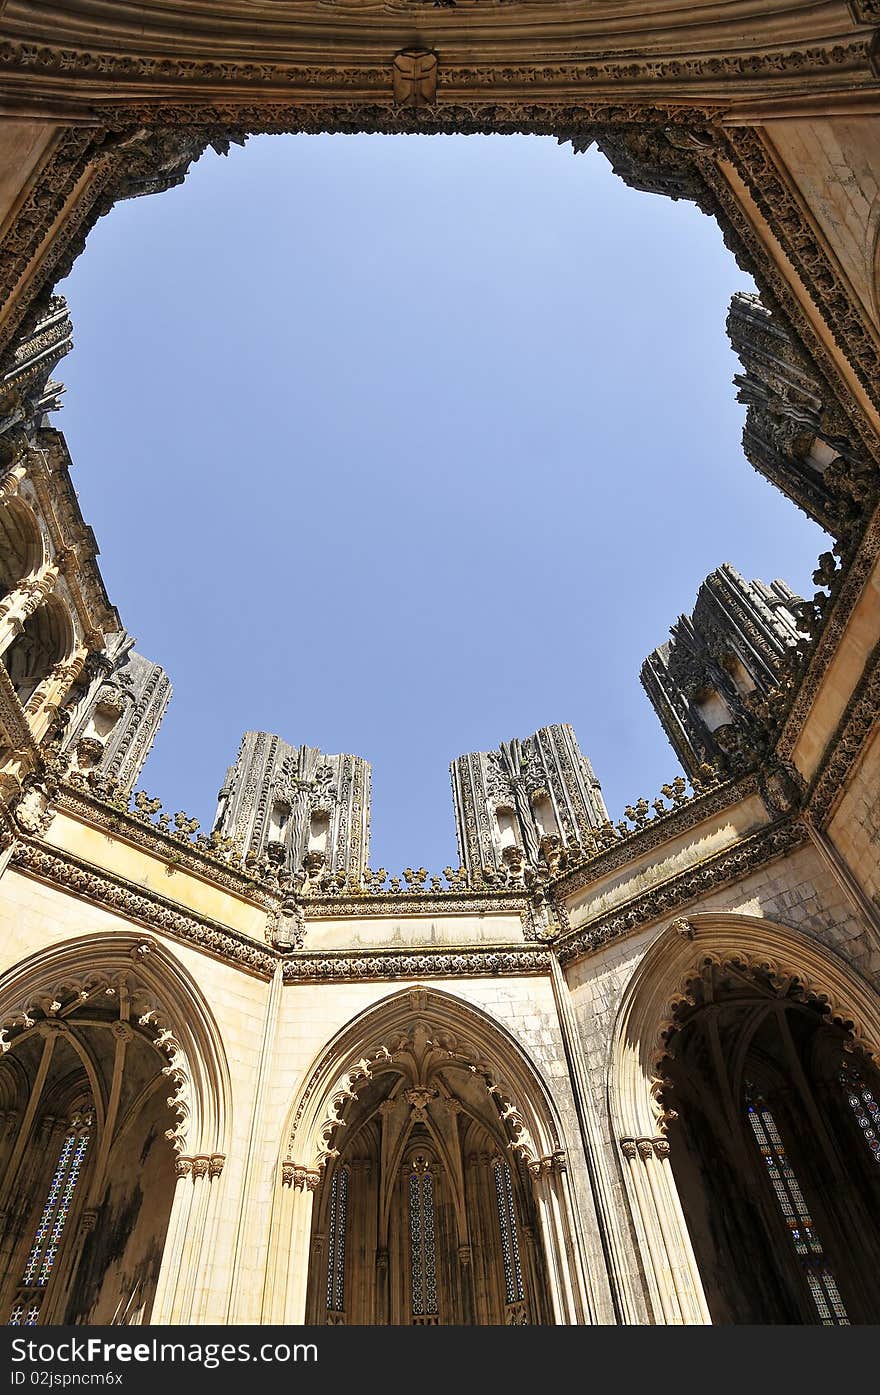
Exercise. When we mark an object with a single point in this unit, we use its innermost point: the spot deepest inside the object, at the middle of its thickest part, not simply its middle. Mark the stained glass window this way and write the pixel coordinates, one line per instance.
(53, 1219)
(336, 1241)
(795, 1213)
(513, 1280)
(423, 1254)
(864, 1105)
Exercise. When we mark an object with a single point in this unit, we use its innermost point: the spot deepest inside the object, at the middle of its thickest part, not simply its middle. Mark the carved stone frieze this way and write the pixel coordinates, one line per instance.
(471, 962)
(829, 61)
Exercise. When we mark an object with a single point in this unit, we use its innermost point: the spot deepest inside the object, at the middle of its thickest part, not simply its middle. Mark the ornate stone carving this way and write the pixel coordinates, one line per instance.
(414, 77)
(705, 682)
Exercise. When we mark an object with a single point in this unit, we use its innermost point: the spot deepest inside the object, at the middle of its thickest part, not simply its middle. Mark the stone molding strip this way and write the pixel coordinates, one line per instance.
(157, 913)
(176, 852)
(417, 963)
(656, 832)
(829, 60)
(854, 578)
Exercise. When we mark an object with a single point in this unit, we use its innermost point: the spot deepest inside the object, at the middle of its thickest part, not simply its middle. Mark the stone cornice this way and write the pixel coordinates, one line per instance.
(101, 888)
(174, 849)
(89, 74)
(148, 908)
(360, 906)
(656, 832)
(468, 961)
(725, 867)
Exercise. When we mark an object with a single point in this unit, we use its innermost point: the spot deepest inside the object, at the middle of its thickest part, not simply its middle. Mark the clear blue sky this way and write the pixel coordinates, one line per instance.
(408, 445)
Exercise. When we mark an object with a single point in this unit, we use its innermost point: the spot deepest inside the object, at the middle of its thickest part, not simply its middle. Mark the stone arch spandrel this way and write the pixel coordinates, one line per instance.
(172, 1008)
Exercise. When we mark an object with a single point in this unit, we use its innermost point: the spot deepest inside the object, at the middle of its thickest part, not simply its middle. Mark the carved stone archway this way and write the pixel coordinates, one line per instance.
(647, 1014)
(98, 1003)
(416, 1051)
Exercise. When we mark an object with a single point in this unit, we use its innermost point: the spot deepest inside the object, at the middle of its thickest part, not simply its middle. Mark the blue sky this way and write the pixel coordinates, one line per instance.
(408, 445)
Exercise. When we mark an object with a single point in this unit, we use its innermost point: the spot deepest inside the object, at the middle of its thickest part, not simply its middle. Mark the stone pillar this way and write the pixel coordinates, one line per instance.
(564, 1276)
(180, 1292)
(206, 1171)
(288, 1277)
(305, 1184)
(674, 1284)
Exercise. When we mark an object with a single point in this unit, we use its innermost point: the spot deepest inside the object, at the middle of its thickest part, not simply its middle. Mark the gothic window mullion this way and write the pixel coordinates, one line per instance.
(792, 1207)
(865, 1109)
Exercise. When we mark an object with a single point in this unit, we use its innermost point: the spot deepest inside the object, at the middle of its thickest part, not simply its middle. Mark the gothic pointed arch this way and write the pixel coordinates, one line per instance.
(423, 1168)
(463, 1031)
(173, 1009)
(743, 1096)
(116, 1089)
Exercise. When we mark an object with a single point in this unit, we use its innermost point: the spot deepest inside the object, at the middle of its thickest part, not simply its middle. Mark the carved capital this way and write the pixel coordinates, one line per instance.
(644, 1148)
(215, 1165)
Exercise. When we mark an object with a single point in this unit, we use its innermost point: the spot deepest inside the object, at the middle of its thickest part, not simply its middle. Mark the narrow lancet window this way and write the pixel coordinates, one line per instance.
(795, 1213)
(423, 1253)
(53, 1220)
(336, 1242)
(513, 1279)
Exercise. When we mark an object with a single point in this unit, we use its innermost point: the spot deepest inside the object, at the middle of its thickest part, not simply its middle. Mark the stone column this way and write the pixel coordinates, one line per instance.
(467, 1314)
(565, 1279)
(287, 1288)
(188, 1243)
(206, 1172)
(305, 1184)
(674, 1284)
